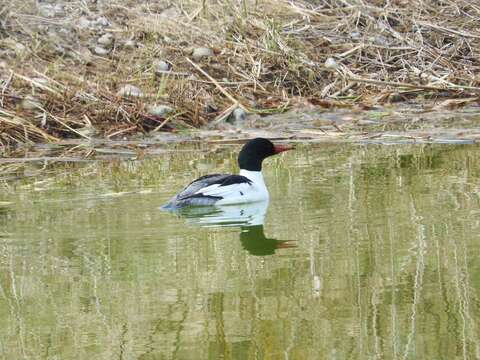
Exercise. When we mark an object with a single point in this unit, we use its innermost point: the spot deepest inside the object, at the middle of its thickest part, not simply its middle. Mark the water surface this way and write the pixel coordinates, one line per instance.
(363, 252)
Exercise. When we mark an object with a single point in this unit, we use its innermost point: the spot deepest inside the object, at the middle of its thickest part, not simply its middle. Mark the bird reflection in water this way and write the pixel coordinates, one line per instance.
(248, 217)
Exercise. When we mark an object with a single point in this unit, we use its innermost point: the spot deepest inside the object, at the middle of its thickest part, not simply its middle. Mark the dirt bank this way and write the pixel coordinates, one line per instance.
(114, 69)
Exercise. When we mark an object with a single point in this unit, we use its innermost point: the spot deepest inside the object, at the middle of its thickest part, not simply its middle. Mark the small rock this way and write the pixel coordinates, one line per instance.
(20, 48)
(40, 80)
(100, 51)
(59, 49)
(68, 34)
(364, 122)
(211, 108)
(102, 21)
(381, 40)
(59, 10)
(130, 44)
(30, 103)
(10, 43)
(355, 35)
(160, 110)
(238, 116)
(47, 10)
(130, 90)
(84, 23)
(201, 52)
(161, 66)
(106, 39)
(40, 28)
(395, 97)
(53, 36)
(186, 50)
(330, 63)
(170, 13)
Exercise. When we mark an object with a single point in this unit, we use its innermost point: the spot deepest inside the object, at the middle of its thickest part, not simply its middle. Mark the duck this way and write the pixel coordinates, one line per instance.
(229, 189)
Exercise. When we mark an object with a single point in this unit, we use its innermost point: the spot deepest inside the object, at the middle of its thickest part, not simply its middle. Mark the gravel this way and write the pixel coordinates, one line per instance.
(129, 90)
(160, 110)
(202, 52)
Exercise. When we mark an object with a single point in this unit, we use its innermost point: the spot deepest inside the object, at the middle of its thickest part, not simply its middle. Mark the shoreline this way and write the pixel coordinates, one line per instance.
(115, 70)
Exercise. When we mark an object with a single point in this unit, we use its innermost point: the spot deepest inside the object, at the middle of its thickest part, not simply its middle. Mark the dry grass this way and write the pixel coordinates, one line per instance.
(269, 55)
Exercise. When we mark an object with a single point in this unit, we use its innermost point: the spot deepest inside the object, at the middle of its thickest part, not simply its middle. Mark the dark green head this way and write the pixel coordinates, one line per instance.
(255, 151)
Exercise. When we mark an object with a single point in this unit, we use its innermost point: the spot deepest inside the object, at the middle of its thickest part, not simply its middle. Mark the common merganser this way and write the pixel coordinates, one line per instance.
(226, 189)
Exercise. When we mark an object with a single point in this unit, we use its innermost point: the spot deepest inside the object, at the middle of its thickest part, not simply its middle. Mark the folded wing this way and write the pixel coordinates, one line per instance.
(209, 189)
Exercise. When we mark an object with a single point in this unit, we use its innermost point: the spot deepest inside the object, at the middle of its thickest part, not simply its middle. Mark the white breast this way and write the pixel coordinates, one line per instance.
(245, 193)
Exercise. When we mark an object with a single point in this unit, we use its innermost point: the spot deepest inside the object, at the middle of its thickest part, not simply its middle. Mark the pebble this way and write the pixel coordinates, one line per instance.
(330, 63)
(355, 35)
(20, 48)
(160, 110)
(364, 122)
(395, 97)
(201, 52)
(170, 13)
(106, 39)
(59, 10)
(130, 44)
(59, 49)
(84, 23)
(10, 43)
(102, 21)
(40, 80)
(47, 10)
(210, 108)
(238, 115)
(161, 66)
(129, 90)
(379, 40)
(30, 103)
(100, 51)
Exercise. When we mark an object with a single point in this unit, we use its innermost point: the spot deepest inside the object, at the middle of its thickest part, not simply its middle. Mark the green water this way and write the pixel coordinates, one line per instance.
(364, 252)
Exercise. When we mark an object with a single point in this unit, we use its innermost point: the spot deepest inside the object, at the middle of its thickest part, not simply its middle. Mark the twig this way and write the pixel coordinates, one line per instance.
(5, 86)
(121, 131)
(222, 90)
(37, 84)
(448, 30)
(413, 86)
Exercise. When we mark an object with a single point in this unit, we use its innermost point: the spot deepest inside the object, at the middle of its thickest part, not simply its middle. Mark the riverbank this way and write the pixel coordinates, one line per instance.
(114, 70)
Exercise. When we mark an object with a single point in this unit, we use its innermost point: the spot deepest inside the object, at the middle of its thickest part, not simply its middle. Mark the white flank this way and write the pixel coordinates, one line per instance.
(240, 193)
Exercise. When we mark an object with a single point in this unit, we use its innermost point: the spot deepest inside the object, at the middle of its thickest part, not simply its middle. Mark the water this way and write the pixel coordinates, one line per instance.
(363, 252)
